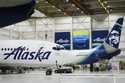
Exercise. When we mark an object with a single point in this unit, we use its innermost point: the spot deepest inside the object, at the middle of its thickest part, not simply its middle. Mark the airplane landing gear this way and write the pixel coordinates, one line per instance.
(49, 72)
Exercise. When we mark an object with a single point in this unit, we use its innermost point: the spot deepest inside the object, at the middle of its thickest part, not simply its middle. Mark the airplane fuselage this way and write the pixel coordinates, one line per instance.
(31, 53)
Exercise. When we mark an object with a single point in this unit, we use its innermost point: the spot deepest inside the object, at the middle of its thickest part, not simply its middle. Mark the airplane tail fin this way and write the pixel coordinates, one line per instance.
(113, 37)
(109, 48)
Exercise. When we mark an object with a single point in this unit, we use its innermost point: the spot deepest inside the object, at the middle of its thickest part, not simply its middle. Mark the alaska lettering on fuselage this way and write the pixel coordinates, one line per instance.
(22, 53)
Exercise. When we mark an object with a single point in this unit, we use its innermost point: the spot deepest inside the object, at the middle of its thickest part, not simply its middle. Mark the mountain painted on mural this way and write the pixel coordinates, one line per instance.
(98, 37)
(81, 39)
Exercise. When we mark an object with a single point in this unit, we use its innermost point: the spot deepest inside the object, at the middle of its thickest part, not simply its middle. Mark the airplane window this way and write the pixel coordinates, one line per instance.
(2, 49)
(54, 48)
(58, 48)
(62, 48)
(11, 49)
(5, 49)
(27, 49)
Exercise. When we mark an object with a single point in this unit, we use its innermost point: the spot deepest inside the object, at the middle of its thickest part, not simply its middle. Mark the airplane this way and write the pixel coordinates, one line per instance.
(38, 53)
(13, 11)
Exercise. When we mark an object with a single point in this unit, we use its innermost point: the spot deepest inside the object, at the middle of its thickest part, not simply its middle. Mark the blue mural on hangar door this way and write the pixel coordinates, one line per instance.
(98, 36)
(63, 38)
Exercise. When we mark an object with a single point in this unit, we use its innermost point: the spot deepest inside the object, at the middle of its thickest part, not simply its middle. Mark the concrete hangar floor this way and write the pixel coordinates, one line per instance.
(76, 77)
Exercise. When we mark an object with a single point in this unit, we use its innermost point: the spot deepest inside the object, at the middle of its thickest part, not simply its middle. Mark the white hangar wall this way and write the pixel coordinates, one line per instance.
(37, 28)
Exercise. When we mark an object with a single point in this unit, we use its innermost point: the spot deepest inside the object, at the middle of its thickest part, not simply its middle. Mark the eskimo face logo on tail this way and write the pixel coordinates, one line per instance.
(21, 53)
(114, 38)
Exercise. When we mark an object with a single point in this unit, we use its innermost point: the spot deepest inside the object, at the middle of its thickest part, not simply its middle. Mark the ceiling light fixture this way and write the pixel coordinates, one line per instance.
(104, 5)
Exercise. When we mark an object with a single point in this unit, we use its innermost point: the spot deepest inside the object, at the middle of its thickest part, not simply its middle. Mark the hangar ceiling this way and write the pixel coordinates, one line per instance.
(54, 8)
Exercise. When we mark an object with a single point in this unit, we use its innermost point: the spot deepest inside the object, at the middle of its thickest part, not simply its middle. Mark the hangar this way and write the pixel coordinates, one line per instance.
(63, 21)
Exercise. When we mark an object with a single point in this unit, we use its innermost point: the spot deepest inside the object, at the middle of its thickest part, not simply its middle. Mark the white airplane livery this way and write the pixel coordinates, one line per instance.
(37, 53)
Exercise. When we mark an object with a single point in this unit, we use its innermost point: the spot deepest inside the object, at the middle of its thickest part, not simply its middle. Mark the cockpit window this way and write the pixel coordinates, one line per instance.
(58, 47)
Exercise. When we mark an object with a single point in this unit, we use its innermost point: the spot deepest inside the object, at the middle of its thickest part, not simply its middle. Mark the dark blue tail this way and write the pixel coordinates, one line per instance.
(113, 37)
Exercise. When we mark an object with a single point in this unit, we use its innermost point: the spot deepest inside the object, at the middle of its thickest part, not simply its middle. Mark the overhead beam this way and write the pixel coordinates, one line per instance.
(103, 6)
(57, 4)
(115, 0)
(83, 7)
(98, 11)
(48, 9)
(118, 10)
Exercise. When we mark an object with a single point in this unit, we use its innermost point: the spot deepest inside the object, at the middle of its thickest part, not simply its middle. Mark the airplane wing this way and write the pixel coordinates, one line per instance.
(13, 11)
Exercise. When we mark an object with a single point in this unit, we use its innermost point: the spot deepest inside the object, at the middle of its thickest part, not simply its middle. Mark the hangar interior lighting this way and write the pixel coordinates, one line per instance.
(104, 4)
